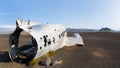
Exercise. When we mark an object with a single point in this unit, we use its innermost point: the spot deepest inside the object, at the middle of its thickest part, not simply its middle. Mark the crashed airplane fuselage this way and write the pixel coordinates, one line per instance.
(45, 38)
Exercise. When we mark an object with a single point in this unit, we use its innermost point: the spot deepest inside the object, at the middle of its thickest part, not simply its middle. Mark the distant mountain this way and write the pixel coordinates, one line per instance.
(106, 30)
(91, 30)
(82, 30)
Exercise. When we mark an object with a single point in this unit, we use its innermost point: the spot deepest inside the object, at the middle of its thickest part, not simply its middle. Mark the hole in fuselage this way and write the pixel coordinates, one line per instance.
(25, 46)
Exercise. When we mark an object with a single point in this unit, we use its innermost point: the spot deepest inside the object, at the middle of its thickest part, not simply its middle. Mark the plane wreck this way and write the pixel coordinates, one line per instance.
(45, 40)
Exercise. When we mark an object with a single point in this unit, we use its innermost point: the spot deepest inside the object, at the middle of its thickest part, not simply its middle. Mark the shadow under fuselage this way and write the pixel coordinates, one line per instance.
(4, 57)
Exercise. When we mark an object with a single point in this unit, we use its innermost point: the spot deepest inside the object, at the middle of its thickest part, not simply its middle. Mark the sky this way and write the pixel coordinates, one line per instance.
(88, 14)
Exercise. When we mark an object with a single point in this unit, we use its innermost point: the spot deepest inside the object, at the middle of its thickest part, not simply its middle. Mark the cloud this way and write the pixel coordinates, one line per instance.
(4, 13)
(7, 26)
(6, 29)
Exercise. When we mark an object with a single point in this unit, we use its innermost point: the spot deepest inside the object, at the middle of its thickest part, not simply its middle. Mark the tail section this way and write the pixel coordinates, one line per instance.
(76, 39)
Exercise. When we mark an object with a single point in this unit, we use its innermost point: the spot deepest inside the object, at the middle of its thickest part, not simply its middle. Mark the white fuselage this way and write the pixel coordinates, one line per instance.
(49, 37)
(45, 38)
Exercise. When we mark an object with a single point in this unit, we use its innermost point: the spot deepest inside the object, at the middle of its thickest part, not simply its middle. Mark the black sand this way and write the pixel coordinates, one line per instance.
(102, 50)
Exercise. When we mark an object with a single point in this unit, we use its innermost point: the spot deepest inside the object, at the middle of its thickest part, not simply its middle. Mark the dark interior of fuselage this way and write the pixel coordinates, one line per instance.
(23, 46)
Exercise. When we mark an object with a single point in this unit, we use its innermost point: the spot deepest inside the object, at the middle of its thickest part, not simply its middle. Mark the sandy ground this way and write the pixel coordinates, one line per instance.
(102, 50)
